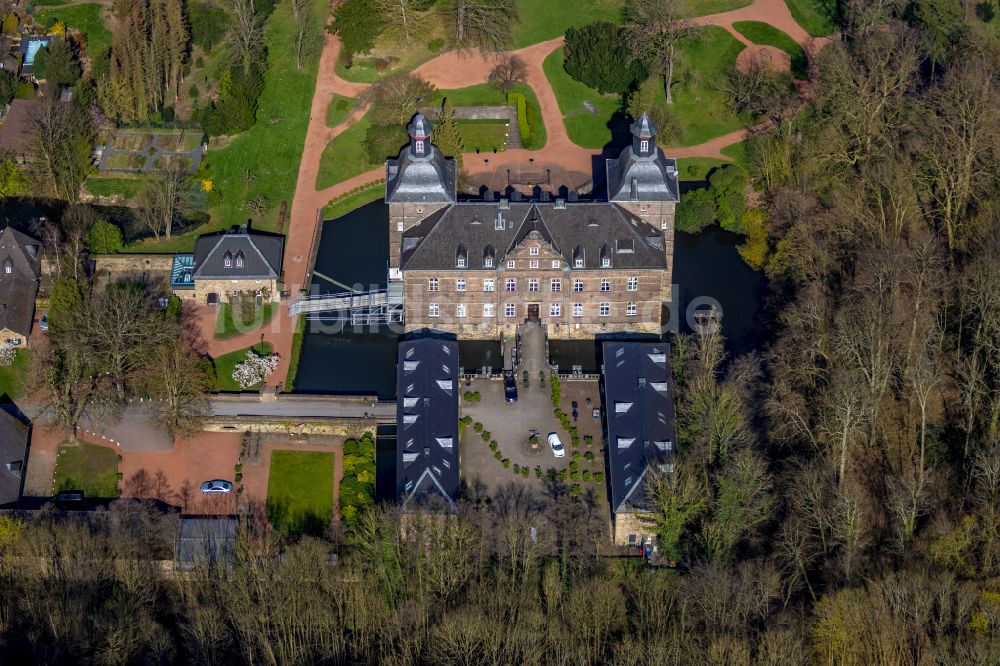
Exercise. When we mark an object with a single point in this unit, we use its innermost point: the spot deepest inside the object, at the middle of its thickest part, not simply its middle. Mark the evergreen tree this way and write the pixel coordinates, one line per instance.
(597, 56)
(447, 136)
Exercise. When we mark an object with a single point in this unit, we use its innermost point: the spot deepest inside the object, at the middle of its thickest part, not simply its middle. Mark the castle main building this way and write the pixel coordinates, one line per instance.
(478, 269)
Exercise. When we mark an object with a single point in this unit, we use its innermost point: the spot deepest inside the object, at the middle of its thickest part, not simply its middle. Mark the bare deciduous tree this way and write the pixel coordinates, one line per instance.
(509, 71)
(656, 27)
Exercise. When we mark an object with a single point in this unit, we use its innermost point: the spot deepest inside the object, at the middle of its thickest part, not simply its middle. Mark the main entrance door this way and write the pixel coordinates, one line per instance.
(533, 311)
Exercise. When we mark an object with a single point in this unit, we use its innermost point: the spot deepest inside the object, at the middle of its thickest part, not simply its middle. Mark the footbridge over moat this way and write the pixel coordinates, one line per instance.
(379, 306)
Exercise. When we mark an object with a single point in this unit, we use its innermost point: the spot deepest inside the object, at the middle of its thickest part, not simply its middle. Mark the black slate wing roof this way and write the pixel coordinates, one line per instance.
(478, 227)
(261, 255)
(639, 411)
(13, 457)
(18, 288)
(427, 422)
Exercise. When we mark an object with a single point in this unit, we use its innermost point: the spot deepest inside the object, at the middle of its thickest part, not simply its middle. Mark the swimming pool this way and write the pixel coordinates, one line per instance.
(33, 46)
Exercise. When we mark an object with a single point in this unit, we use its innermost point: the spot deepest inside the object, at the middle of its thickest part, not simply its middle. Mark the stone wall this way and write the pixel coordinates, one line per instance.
(499, 112)
(202, 288)
(288, 426)
(123, 263)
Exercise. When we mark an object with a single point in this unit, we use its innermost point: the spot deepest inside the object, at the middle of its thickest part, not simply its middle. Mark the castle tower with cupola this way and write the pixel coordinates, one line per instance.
(419, 182)
(644, 182)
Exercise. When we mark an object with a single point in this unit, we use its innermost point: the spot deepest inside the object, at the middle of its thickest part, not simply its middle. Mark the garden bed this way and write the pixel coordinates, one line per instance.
(225, 364)
(131, 161)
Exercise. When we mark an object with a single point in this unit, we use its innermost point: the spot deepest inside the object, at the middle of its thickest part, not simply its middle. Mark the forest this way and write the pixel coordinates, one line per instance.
(836, 497)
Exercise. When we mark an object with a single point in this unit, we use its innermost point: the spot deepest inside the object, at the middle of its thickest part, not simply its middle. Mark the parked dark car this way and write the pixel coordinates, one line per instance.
(509, 387)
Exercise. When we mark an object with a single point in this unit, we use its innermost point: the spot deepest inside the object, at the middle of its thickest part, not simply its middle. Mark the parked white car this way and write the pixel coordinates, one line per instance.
(216, 487)
(557, 448)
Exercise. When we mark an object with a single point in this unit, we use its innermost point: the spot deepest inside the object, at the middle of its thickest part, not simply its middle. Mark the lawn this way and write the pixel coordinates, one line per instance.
(300, 491)
(87, 467)
(815, 16)
(109, 187)
(339, 108)
(227, 327)
(225, 364)
(486, 95)
(483, 135)
(765, 33)
(706, 7)
(125, 161)
(738, 153)
(13, 378)
(264, 160)
(701, 110)
(547, 19)
(697, 168)
(344, 205)
(345, 156)
(87, 18)
(586, 129)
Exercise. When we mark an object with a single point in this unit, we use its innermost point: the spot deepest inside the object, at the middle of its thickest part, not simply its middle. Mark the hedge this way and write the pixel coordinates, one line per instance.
(521, 104)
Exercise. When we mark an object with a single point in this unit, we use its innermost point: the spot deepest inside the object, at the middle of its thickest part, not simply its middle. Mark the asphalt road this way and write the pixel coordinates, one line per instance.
(303, 409)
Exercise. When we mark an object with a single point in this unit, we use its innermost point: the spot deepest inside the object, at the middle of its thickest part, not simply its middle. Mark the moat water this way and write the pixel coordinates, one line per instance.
(353, 253)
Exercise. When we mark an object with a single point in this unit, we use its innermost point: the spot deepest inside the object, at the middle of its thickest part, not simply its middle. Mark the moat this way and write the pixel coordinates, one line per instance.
(353, 254)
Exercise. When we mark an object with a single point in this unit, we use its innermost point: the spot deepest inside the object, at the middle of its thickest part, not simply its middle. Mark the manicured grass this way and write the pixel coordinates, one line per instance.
(226, 326)
(697, 168)
(225, 364)
(340, 107)
(700, 110)
(486, 95)
(345, 156)
(293, 362)
(107, 187)
(87, 467)
(484, 135)
(87, 18)
(765, 33)
(14, 377)
(271, 150)
(706, 7)
(738, 153)
(815, 16)
(125, 161)
(547, 19)
(586, 129)
(345, 205)
(300, 491)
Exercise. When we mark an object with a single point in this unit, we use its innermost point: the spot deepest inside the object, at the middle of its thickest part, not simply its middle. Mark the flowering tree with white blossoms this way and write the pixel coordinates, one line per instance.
(7, 354)
(254, 369)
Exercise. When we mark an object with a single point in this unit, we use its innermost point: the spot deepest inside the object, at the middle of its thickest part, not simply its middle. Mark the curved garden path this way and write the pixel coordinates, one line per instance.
(451, 70)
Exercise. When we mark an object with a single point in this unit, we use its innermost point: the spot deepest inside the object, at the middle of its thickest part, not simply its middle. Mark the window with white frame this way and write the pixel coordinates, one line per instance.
(533, 284)
(533, 250)
(533, 263)
(510, 263)
(227, 261)
(460, 310)
(488, 284)
(432, 284)
(420, 145)
(510, 284)
(605, 285)
(239, 260)
(460, 284)
(606, 262)
(509, 310)
(631, 309)
(556, 285)
(578, 309)
(488, 262)
(555, 310)
(488, 310)
(577, 285)
(578, 262)
(433, 310)
(643, 146)
(460, 261)
(605, 309)
(633, 284)
(556, 263)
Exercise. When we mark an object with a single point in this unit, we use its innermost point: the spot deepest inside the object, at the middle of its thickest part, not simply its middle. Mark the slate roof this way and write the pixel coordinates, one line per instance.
(578, 228)
(18, 288)
(15, 137)
(261, 255)
(635, 178)
(411, 180)
(639, 412)
(427, 422)
(13, 457)
(206, 540)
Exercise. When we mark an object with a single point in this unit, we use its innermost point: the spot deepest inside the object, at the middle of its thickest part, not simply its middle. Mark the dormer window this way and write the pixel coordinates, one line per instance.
(460, 256)
(606, 262)
(8, 267)
(419, 146)
(488, 254)
(644, 146)
(487, 262)
(239, 260)
(578, 257)
(227, 260)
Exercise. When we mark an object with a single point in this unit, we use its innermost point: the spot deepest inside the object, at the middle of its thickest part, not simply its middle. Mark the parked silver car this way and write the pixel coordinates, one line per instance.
(217, 487)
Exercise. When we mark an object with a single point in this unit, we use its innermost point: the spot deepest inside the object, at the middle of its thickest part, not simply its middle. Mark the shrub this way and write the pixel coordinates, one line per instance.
(564, 475)
(555, 390)
(586, 475)
(574, 465)
(754, 250)
(588, 439)
(589, 455)
(520, 104)
(358, 23)
(478, 427)
(497, 455)
(598, 476)
(506, 463)
(208, 24)
(25, 90)
(121, 475)
(193, 91)
(538, 472)
(487, 436)
(524, 472)
(575, 489)
(533, 121)
(104, 238)
(494, 446)
(727, 186)
(239, 478)
(435, 45)
(238, 468)
(597, 56)
(467, 420)
(574, 476)
(517, 469)
(697, 211)
(551, 474)
(575, 456)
